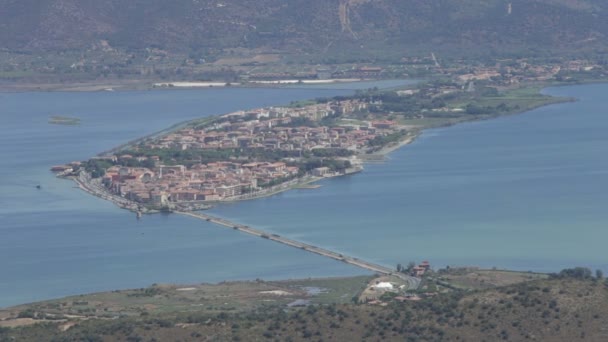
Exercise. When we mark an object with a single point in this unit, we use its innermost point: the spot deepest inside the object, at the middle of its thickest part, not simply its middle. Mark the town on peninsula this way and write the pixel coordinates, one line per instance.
(259, 152)
(240, 155)
(489, 231)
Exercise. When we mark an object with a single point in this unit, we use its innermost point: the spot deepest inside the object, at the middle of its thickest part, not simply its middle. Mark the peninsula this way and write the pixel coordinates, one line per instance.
(239, 155)
(259, 152)
(490, 200)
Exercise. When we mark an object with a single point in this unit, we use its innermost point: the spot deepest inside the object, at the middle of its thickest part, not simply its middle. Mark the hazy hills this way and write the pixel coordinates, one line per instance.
(372, 28)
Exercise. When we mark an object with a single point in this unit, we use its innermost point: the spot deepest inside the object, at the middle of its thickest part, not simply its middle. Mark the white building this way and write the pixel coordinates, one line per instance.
(384, 286)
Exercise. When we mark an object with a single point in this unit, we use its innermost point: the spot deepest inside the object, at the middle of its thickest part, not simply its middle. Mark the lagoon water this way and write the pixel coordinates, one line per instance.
(525, 192)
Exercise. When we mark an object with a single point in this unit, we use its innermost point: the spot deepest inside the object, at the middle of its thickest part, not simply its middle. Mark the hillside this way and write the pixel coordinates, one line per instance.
(322, 27)
(567, 307)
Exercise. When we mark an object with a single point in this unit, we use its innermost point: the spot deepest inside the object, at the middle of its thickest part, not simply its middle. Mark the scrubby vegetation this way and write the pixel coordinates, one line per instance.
(566, 307)
(202, 40)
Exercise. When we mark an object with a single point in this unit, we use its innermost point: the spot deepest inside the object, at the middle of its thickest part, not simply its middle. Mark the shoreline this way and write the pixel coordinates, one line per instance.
(251, 84)
(140, 84)
(408, 139)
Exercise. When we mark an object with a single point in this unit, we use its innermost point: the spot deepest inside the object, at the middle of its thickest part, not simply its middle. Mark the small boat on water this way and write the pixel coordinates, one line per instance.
(38, 187)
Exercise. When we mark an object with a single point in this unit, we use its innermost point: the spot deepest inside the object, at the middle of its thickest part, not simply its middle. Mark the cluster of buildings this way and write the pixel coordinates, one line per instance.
(202, 182)
(373, 294)
(420, 270)
(509, 72)
(280, 129)
(274, 128)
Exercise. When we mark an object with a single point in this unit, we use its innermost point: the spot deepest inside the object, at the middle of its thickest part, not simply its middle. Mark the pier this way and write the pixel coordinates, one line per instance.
(412, 282)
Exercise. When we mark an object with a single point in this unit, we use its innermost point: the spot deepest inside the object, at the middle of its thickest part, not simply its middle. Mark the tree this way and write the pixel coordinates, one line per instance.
(599, 274)
(576, 273)
(474, 109)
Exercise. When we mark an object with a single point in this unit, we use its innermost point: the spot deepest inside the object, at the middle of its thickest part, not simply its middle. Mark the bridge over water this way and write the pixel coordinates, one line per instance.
(413, 282)
(85, 182)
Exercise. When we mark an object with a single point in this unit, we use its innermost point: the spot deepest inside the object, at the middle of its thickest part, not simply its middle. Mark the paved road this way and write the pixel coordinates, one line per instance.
(94, 187)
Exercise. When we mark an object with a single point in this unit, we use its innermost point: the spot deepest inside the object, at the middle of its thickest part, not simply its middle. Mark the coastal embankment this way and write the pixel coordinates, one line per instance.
(95, 188)
(412, 282)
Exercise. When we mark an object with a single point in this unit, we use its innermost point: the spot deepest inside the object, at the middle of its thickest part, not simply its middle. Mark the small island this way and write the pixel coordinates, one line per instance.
(64, 120)
(240, 155)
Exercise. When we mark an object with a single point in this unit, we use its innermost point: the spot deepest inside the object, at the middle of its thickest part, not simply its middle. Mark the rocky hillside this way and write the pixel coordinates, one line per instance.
(315, 27)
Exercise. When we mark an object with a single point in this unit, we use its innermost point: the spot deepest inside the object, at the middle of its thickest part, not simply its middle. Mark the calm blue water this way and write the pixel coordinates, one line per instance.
(524, 192)
(59, 241)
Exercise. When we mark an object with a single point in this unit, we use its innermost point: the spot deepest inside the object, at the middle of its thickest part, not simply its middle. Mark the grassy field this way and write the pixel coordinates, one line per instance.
(514, 101)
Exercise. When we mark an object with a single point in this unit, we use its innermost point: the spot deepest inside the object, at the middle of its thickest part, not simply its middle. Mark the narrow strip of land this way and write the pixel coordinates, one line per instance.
(413, 282)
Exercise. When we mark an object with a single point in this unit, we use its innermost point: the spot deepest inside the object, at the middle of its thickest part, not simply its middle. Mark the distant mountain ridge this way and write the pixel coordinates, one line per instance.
(305, 26)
